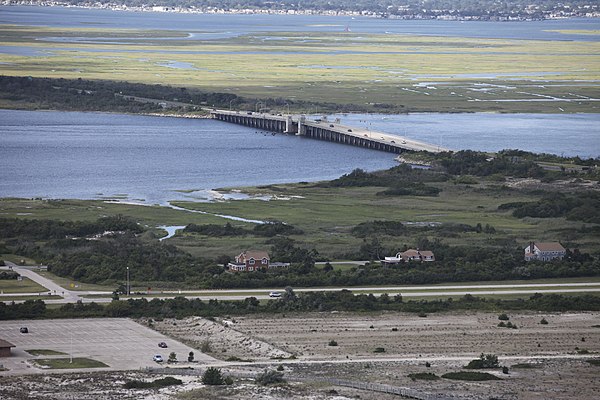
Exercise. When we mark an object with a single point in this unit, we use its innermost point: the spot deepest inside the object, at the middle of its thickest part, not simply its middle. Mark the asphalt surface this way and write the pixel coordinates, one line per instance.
(71, 296)
(120, 343)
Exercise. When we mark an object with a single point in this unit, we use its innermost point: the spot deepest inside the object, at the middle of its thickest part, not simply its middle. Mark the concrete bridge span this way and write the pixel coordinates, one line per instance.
(322, 129)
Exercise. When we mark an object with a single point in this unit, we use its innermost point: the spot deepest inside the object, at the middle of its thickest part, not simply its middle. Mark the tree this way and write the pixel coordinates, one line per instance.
(172, 357)
(191, 356)
(213, 376)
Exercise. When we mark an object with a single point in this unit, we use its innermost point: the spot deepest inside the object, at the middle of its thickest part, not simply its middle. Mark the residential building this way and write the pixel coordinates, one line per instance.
(254, 260)
(544, 251)
(409, 255)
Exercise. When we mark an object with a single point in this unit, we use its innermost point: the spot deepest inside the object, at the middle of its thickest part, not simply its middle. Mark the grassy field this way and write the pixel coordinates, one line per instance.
(23, 286)
(327, 215)
(45, 352)
(405, 72)
(66, 363)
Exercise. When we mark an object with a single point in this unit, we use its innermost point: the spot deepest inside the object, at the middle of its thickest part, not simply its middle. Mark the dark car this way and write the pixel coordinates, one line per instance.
(162, 345)
(331, 125)
(24, 330)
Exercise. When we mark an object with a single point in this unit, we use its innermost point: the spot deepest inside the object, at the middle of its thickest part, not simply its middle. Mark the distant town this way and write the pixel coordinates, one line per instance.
(469, 10)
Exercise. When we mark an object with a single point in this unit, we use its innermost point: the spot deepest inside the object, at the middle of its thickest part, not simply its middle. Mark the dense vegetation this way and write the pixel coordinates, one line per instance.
(102, 251)
(265, 230)
(116, 96)
(583, 207)
(343, 300)
(407, 9)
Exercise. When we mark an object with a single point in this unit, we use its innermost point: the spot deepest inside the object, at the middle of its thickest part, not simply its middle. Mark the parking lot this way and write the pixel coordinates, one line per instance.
(120, 343)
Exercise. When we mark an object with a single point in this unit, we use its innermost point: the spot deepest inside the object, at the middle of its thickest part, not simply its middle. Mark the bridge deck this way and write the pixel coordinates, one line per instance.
(333, 131)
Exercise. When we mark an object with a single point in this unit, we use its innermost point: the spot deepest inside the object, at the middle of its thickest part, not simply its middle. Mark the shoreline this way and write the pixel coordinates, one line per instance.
(282, 11)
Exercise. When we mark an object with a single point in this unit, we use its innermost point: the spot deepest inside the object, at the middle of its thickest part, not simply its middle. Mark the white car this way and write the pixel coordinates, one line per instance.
(158, 358)
(274, 294)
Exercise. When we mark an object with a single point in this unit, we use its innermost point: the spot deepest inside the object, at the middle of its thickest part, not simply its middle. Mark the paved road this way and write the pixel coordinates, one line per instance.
(71, 296)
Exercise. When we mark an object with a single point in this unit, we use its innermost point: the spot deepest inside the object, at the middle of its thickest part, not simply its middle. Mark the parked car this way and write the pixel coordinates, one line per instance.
(331, 125)
(24, 330)
(349, 130)
(274, 294)
(162, 345)
(157, 358)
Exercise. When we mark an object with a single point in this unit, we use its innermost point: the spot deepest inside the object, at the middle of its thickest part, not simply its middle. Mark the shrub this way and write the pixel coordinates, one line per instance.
(270, 377)
(333, 343)
(471, 376)
(544, 321)
(280, 368)
(505, 370)
(379, 350)
(205, 347)
(159, 383)
(503, 317)
(428, 364)
(484, 361)
(424, 376)
(212, 376)
(394, 329)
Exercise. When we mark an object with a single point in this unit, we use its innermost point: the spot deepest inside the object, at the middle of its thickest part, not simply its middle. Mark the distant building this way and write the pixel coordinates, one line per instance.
(544, 251)
(5, 348)
(253, 260)
(409, 255)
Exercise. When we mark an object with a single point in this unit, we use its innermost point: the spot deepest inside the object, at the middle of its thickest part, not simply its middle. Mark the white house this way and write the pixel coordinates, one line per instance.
(544, 251)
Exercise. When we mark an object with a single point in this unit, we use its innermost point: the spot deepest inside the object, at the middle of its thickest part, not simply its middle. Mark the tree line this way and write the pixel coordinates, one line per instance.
(343, 300)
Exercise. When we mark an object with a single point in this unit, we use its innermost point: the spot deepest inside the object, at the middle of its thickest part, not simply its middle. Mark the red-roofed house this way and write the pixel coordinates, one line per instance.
(409, 255)
(544, 251)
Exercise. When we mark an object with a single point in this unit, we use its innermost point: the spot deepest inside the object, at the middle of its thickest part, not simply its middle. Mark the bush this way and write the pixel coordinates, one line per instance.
(544, 321)
(424, 376)
(503, 317)
(332, 343)
(379, 350)
(471, 376)
(505, 370)
(270, 377)
(213, 376)
(159, 383)
(484, 361)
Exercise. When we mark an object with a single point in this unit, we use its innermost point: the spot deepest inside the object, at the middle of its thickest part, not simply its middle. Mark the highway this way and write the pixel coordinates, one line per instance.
(72, 296)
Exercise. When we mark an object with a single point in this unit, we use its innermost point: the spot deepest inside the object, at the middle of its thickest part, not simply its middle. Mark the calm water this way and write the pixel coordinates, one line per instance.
(215, 25)
(562, 134)
(94, 155)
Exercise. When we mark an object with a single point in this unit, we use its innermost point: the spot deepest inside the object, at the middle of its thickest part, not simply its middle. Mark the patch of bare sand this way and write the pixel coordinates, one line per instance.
(221, 337)
(567, 185)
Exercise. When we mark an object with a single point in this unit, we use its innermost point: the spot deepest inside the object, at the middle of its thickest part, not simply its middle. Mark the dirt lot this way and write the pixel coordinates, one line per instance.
(554, 367)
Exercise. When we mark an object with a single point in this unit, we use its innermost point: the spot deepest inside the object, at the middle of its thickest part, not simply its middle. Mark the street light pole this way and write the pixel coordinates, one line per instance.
(230, 101)
(128, 290)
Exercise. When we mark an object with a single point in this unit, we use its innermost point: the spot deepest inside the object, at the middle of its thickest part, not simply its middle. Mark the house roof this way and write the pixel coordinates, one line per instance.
(427, 253)
(4, 344)
(410, 253)
(256, 254)
(549, 246)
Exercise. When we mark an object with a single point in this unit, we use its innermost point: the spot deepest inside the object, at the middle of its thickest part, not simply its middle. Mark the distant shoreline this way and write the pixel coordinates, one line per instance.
(266, 11)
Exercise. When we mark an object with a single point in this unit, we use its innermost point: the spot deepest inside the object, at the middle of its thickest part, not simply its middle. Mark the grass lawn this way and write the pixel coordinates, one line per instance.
(23, 286)
(71, 284)
(65, 363)
(45, 352)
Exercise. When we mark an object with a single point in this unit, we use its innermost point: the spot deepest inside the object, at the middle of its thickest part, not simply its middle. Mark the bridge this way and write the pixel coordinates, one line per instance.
(322, 129)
